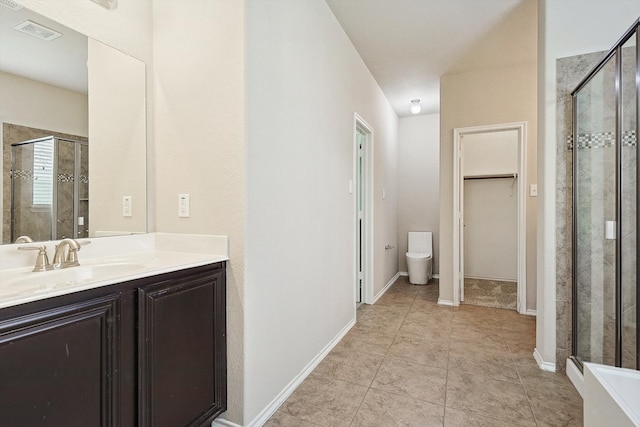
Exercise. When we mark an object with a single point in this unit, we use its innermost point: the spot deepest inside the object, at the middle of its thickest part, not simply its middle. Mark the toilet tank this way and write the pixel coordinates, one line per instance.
(420, 241)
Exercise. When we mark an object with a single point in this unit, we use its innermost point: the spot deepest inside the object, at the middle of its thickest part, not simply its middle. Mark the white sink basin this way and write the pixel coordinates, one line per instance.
(106, 262)
(22, 282)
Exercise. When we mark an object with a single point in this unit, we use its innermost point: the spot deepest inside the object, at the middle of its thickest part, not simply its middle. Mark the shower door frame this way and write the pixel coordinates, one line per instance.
(617, 51)
(52, 229)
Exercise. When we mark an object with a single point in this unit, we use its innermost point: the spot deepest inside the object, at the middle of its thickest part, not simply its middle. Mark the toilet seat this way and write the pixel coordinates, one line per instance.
(418, 255)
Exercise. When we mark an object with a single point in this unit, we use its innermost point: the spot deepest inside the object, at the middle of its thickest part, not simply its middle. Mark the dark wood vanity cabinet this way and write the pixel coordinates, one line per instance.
(150, 352)
(181, 354)
(59, 366)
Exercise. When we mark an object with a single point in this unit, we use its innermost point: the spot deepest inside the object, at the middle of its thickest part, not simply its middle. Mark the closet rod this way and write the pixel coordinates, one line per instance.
(503, 175)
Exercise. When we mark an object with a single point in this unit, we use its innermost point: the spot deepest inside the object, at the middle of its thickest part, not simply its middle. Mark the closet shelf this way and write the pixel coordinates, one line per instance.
(494, 176)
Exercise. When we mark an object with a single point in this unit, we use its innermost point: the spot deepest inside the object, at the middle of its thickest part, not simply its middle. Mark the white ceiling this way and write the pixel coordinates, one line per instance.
(408, 44)
(61, 62)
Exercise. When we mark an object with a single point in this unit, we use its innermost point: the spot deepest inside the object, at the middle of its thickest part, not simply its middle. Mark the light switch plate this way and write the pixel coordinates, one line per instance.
(183, 206)
(533, 190)
(127, 209)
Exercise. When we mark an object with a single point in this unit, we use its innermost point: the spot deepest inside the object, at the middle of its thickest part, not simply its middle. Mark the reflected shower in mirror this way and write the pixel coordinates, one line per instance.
(49, 186)
(55, 81)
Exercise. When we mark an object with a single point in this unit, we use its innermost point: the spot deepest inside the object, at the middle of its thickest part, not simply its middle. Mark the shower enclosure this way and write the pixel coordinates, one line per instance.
(49, 189)
(605, 209)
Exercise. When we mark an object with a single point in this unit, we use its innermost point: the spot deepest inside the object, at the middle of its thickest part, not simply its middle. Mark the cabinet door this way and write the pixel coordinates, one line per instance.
(59, 367)
(181, 343)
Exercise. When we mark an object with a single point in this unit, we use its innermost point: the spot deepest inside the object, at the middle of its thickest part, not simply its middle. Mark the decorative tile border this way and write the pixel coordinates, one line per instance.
(629, 138)
(62, 177)
(602, 140)
(23, 175)
(65, 177)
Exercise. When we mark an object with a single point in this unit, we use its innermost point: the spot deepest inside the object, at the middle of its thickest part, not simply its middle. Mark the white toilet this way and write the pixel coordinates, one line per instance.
(420, 257)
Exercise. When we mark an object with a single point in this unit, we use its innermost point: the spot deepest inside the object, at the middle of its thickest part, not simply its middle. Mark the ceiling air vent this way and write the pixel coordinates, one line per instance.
(107, 4)
(37, 30)
(11, 4)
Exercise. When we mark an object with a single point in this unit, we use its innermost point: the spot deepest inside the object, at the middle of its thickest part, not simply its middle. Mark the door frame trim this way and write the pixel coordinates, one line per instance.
(521, 128)
(367, 280)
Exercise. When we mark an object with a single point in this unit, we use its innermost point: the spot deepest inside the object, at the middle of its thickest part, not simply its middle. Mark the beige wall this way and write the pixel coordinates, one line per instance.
(200, 143)
(418, 178)
(491, 229)
(117, 141)
(30, 103)
(490, 153)
(272, 173)
(304, 82)
(476, 98)
(494, 83)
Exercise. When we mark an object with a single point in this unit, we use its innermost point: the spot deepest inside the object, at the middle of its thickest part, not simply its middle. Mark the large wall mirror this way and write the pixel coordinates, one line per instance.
(73, 133)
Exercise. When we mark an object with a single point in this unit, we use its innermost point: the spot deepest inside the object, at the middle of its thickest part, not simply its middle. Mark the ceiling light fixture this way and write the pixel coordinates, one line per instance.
(415, 106)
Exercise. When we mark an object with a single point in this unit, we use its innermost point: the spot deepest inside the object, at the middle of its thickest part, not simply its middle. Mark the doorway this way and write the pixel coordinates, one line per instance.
(363, 183)
(490, 161)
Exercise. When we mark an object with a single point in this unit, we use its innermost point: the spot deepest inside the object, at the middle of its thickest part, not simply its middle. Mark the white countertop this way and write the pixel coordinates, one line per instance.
(106, 261)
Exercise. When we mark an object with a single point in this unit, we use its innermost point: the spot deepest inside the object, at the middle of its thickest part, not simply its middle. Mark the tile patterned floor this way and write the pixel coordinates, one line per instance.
(411, 362)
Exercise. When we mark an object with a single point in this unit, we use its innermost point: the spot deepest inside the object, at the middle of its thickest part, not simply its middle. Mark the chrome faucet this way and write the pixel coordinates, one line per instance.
(59, 258)
(71, 258)
(42, 260)
(24, 239)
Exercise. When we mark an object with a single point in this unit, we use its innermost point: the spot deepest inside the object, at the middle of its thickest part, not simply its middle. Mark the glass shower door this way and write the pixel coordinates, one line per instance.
(65, 188)
(50, 189)
(595, 214)
(606, 197)
(32, 170)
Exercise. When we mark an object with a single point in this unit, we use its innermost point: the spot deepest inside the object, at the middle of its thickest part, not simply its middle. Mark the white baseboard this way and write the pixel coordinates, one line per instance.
(445, 302)
(545, 366)
(531, 312)
(385, 289)
(272, 407)
(576, 377)
(221, 422)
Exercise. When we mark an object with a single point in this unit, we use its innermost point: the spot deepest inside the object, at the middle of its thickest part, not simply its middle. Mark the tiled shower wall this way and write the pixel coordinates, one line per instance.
(12, 133)
(569, 72)
(596, 309)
